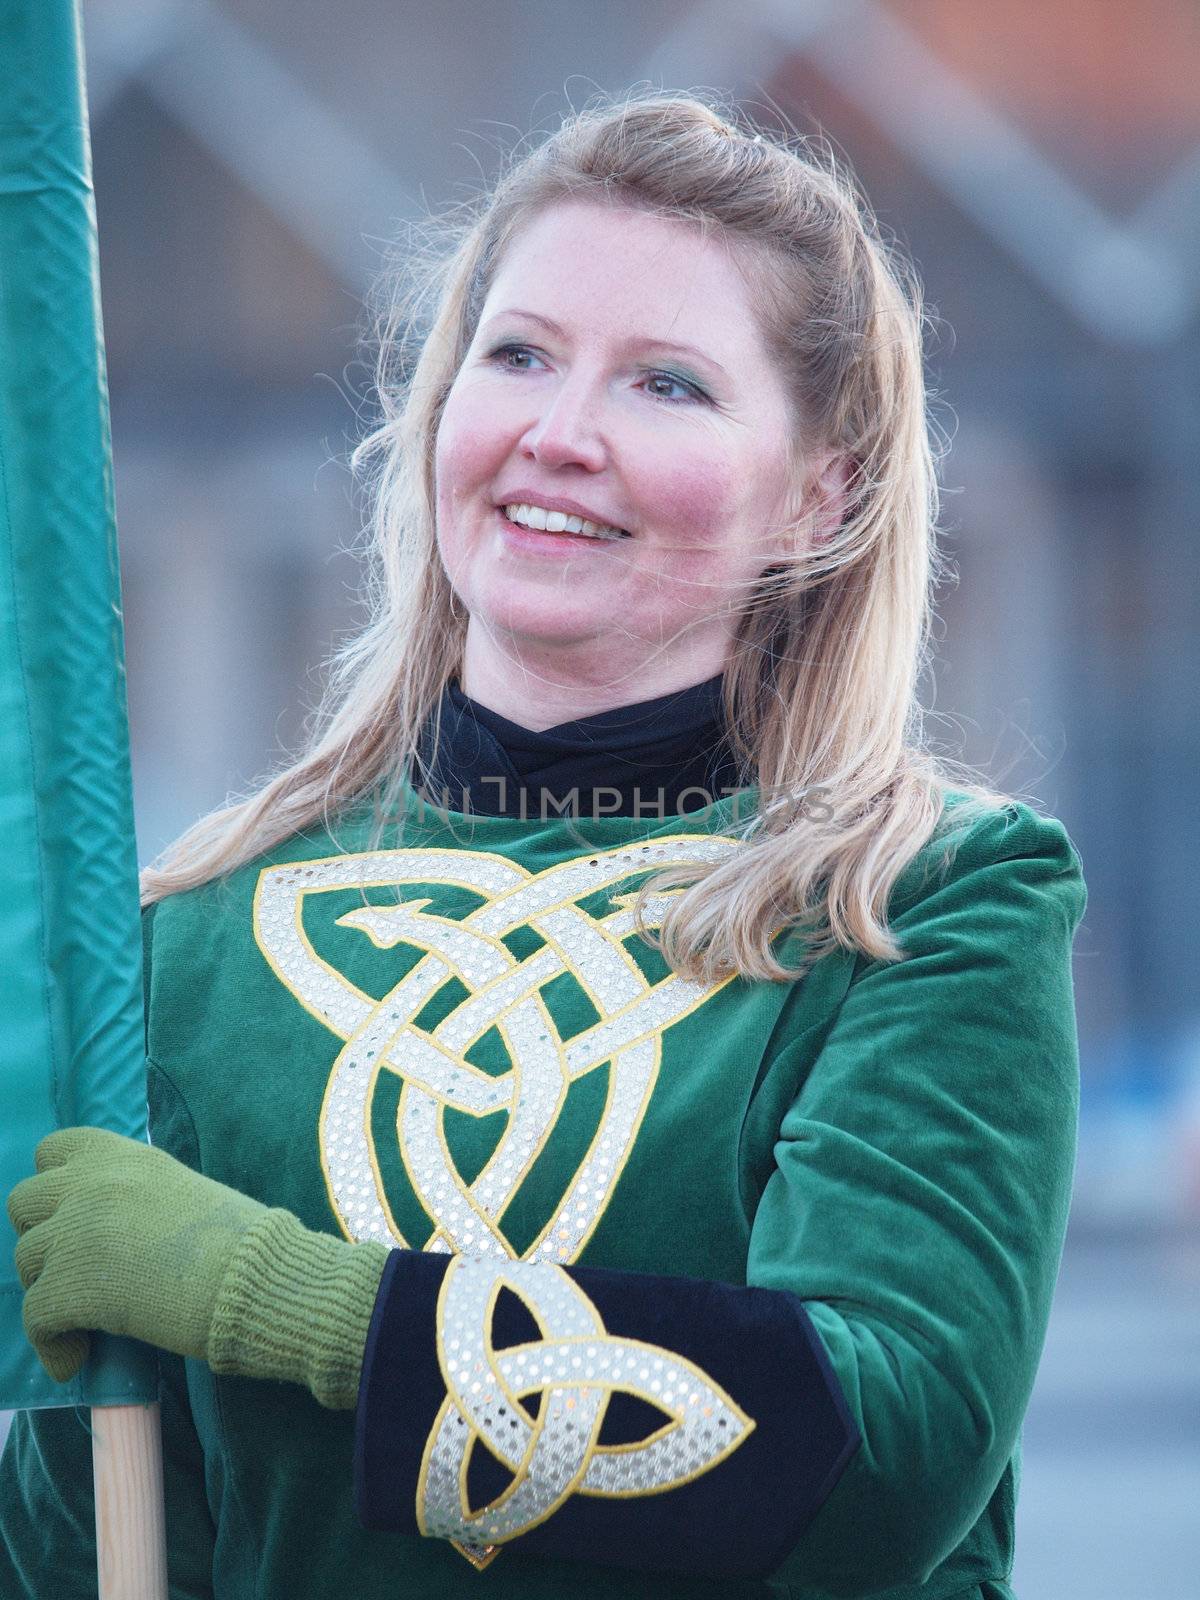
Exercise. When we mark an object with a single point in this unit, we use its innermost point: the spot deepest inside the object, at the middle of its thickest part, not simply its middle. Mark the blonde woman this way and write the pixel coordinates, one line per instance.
(613, 1098)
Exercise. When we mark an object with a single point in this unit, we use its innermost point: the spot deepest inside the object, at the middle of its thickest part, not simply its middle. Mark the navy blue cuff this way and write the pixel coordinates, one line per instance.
(752, 1362)
(400, 1377)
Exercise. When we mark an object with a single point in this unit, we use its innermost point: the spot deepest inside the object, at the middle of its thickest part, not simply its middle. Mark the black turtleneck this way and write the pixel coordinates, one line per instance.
(649, 753)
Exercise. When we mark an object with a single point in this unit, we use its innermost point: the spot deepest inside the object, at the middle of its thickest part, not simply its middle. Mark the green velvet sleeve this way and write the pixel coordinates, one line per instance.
(918, 1202)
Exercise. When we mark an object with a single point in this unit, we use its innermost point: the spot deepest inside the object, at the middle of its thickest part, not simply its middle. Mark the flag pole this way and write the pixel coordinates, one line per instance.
(131, 1543)
(74, 1049)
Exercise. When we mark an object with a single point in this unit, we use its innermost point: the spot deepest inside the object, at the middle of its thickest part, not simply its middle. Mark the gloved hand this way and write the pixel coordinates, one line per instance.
(119, 1236)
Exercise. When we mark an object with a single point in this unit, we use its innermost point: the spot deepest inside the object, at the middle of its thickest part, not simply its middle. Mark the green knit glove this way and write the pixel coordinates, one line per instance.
(119, 1236)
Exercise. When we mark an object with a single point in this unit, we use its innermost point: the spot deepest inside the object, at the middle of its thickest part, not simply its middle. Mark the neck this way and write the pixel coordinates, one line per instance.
(537, 700)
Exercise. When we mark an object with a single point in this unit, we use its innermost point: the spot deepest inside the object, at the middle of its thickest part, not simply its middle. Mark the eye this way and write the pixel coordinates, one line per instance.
(691, 390)
(505, 350)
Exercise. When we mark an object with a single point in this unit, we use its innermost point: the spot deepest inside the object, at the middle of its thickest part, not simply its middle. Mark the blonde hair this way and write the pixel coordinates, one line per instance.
(820, 685)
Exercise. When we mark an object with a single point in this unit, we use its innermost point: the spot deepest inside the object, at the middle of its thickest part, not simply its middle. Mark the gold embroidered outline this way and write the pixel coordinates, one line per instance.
(550, 1296)
(632, 1059)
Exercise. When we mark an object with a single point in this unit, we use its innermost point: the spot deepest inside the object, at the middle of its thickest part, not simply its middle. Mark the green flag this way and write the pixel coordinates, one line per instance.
(71, 1019)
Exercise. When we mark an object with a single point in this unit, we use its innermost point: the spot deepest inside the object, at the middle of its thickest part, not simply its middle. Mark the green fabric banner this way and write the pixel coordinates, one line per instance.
(71, 1019)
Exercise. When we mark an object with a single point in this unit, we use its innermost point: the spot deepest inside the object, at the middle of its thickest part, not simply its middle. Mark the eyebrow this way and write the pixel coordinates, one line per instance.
(688, 351)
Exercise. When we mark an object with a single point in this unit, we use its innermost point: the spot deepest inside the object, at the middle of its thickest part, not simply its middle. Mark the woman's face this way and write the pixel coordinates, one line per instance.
(617, 370)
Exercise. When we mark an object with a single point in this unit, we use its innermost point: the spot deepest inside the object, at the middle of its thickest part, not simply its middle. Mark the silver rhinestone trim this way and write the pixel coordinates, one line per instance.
(505, 993)
(575, 1368)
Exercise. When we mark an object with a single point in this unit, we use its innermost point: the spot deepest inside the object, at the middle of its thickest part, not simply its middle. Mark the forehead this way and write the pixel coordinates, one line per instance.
(600, 267)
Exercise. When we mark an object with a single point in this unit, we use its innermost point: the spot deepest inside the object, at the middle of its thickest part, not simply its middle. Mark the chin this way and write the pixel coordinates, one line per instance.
(538, 614)
(542, 631)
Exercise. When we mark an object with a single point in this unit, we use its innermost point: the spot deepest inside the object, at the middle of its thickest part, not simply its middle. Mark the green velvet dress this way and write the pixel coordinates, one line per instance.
(452, 1039)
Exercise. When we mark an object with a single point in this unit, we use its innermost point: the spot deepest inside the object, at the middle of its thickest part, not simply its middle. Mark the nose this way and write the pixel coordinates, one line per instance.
(567, 428)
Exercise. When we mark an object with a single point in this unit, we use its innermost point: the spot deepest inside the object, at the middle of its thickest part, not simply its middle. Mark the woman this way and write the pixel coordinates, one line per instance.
(614, 1097)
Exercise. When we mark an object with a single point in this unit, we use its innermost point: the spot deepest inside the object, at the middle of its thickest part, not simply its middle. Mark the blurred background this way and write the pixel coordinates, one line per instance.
(1041, 161)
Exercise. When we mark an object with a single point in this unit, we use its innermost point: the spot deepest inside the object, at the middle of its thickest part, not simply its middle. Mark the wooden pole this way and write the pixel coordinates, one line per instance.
(131, 1543)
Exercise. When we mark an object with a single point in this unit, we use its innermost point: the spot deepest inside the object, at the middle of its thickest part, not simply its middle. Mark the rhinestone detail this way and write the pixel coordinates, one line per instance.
(504, 993)
(575, 1368)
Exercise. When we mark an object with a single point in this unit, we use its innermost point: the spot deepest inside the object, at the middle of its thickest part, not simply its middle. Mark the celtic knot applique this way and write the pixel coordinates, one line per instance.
(504, 992)
(574, 1368)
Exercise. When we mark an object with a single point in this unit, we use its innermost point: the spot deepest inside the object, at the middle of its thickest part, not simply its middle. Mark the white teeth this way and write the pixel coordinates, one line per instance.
(559, 522)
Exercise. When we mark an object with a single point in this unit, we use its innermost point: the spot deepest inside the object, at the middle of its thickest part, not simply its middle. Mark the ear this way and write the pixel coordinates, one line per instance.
(829, 478)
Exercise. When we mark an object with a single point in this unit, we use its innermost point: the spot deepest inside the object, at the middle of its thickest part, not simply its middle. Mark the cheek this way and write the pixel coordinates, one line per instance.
(465, 450)
(692, 498)
(467, 457)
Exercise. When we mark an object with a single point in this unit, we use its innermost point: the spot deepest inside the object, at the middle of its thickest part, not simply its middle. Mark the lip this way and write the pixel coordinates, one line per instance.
(533, 541)
(557, 502)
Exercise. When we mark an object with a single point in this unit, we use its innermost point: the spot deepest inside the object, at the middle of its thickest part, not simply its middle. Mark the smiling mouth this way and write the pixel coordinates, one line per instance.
(563, 533)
